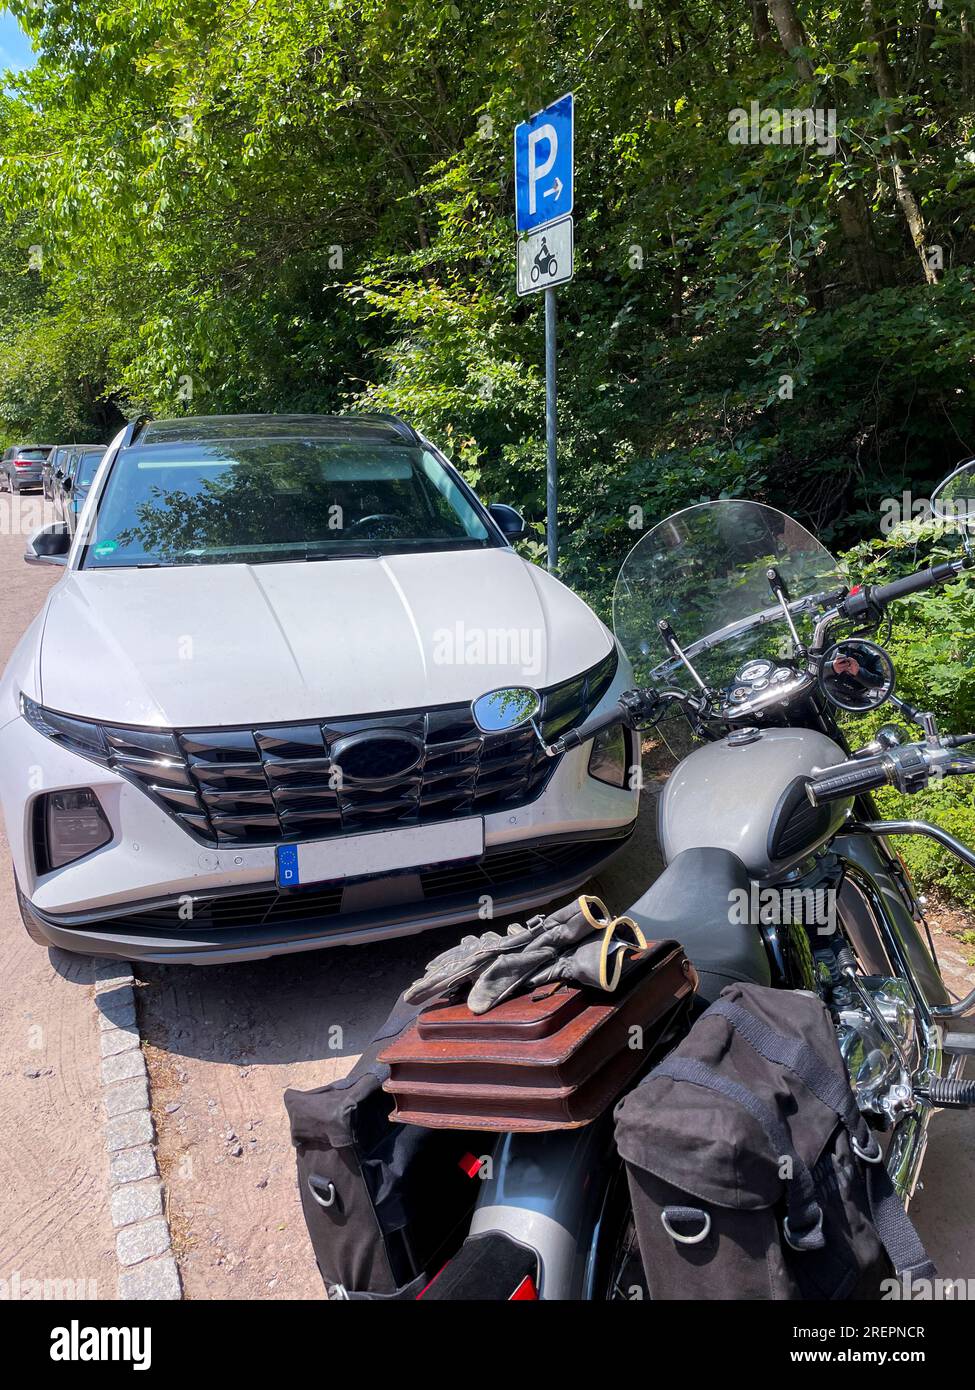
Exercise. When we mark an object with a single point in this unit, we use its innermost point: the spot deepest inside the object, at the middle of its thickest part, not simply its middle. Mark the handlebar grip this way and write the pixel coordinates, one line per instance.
(836, 786)
(914, 583)
(574, 738)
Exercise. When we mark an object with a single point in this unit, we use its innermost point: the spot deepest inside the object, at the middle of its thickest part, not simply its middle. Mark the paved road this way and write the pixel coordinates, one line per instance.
(223, 1044)
(54, 1222)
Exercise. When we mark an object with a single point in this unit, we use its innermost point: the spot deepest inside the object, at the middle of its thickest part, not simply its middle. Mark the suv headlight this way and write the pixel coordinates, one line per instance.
(78, 734)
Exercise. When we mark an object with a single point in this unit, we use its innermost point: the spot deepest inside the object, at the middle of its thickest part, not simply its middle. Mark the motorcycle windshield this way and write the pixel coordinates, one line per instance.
(704, 571)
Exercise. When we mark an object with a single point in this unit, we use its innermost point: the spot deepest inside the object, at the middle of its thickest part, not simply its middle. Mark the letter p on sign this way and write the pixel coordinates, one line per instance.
(536, 171)
(544, 166)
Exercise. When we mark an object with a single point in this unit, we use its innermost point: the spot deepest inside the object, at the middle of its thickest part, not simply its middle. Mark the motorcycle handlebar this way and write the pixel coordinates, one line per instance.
(634, 708)
(850, 779)
(914, 583)
(909, 768)
(873, 598)
(574, 738)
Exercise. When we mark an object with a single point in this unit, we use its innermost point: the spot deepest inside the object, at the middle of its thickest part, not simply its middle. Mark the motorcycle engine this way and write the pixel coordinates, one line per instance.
(879, 1045)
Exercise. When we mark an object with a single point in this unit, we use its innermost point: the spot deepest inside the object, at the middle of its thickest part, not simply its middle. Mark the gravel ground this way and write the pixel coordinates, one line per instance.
(54, 1217)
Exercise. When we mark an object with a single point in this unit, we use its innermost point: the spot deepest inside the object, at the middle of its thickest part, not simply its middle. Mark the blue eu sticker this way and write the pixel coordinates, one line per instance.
(288, 866)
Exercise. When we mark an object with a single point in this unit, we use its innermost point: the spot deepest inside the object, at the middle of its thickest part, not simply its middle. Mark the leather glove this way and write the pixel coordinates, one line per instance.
(525, 967)
(590, 964)
(454, 968)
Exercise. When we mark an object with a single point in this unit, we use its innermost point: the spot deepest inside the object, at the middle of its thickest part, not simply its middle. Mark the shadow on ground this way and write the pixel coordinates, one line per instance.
(325, 1004)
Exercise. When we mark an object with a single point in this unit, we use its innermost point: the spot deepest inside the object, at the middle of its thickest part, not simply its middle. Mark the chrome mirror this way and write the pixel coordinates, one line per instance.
(856, 675)
(507, 708)
(953, 500)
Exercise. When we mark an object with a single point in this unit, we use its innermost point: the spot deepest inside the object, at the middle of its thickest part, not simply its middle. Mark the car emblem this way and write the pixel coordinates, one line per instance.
(376, 755)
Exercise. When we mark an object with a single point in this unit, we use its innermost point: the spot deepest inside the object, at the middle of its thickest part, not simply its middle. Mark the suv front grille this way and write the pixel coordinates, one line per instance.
(277, 782)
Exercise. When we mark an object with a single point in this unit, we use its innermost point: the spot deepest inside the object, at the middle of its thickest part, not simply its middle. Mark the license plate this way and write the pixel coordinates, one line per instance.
(379, 852)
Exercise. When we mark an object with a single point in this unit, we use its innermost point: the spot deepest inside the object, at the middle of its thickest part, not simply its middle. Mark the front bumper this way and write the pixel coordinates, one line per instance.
(237, 925)
(156, 893)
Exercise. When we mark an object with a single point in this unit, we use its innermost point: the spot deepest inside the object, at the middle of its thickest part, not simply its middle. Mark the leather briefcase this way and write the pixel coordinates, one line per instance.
(555, 1058)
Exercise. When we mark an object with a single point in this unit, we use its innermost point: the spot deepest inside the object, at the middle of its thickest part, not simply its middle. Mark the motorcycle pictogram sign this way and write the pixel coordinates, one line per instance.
(545, 258)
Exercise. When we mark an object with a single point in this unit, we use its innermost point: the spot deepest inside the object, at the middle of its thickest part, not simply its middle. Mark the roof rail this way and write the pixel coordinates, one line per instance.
(406, 431)
(132, 429)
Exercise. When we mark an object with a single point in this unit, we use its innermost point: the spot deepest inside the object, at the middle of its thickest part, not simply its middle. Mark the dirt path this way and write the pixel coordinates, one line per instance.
(54, 1221)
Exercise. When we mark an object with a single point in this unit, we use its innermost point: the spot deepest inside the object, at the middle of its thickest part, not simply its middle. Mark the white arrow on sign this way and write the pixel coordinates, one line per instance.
(555, 190)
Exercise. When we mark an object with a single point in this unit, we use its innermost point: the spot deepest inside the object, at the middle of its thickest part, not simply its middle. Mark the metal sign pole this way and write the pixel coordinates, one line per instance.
(551, 426)
(545, 253)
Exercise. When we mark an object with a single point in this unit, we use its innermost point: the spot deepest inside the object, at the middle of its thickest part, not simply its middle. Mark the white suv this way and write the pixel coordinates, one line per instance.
(241, 723)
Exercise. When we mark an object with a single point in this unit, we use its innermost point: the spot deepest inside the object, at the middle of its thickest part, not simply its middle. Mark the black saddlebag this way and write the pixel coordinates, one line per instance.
(385, 1203)
(751, 1171)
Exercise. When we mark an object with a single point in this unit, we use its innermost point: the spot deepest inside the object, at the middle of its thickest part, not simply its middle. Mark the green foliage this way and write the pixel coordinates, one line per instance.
(932, 642)
(267, 206)
(258, 205)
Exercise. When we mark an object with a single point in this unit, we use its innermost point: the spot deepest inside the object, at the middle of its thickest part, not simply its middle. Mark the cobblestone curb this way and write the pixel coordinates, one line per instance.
(143, 1248)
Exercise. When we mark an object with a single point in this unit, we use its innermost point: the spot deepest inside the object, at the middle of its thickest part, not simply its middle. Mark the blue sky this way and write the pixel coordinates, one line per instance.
(15, 49)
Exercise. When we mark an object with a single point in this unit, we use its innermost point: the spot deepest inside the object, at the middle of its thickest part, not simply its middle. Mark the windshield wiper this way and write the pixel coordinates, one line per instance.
(346, 555)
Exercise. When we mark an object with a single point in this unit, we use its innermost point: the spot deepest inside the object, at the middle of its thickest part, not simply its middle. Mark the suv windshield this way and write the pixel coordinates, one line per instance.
(32, 455)
(258, 501)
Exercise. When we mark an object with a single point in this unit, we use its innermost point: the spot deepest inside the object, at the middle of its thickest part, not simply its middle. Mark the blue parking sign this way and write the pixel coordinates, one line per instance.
(543, 166)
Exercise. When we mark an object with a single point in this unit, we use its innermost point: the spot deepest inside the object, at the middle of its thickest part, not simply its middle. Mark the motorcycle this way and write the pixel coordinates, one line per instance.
(731, 612)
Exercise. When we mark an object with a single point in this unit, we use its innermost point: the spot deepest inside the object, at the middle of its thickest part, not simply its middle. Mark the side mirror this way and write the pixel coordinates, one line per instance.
(508, 708)
(856, 675)
(49, 545)
(67, 484)
(512, 523)
(953, 500)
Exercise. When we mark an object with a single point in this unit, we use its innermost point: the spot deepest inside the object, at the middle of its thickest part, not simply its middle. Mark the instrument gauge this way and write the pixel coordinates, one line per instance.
(754, 671)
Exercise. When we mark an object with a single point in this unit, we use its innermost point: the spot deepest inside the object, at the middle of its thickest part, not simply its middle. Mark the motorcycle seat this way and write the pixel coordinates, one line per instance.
(692, 902)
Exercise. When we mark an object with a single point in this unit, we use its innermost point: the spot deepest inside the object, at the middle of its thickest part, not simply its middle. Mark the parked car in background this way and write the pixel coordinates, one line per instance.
(54, 466)
(75, 483)
(21, 466)
(250, 697)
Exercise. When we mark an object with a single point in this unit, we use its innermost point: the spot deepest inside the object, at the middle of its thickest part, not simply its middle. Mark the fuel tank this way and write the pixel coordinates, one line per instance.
(746, 793)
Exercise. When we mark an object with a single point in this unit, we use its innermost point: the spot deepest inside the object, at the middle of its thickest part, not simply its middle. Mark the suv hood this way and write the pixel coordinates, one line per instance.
(240, 644)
